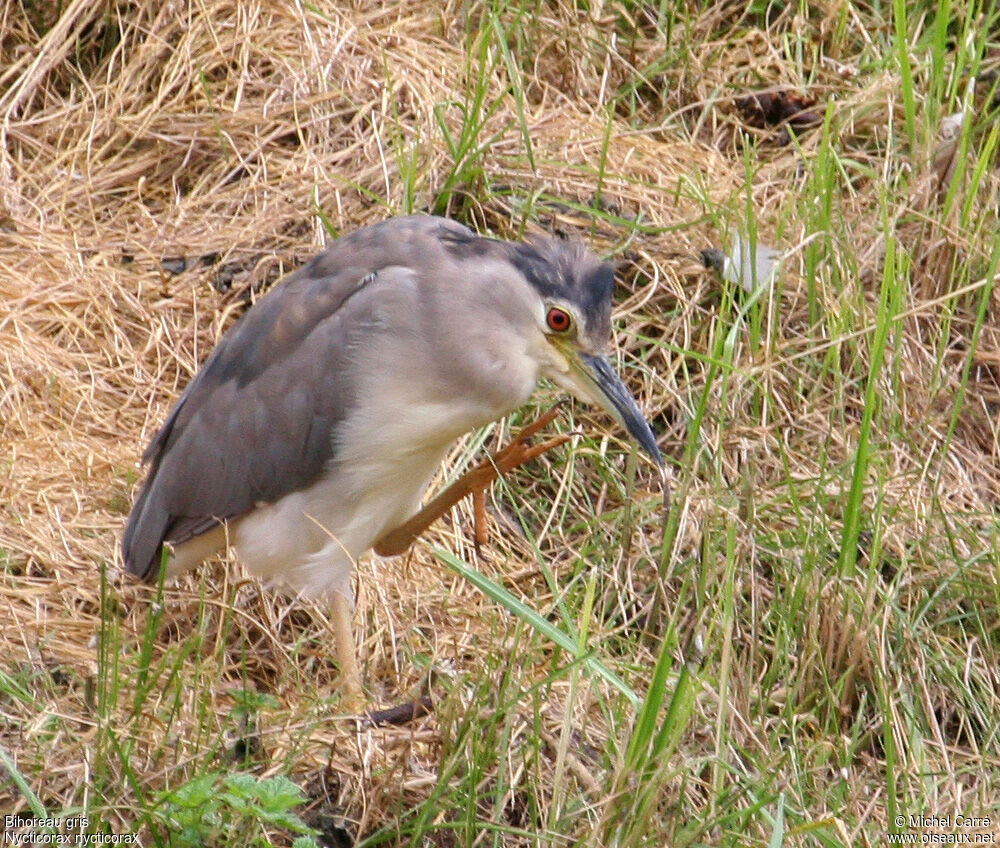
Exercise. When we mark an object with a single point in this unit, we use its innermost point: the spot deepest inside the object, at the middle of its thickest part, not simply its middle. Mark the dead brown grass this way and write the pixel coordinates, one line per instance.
(215, 131)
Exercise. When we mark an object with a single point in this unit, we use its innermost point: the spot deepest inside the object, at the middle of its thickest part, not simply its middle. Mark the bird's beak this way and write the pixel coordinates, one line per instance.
(594, 378)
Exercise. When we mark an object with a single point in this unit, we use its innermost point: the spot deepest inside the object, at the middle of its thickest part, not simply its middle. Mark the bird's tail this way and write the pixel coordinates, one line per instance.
(142, 541)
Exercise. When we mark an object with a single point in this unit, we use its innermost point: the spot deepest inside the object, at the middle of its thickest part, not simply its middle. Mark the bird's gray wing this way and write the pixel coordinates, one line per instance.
(257, 421)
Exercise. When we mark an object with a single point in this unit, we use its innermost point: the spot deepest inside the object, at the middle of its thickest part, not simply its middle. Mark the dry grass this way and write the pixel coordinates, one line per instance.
(235, 137)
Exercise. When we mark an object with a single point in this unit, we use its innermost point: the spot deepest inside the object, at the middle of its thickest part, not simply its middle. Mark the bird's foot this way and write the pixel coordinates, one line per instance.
(400, 714)
(474, 482)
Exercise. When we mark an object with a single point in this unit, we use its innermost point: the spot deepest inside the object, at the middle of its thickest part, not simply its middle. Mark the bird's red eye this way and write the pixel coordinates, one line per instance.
(558, 320)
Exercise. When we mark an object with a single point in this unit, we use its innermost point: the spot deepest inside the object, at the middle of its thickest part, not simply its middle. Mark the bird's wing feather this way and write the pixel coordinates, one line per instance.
(257, 421)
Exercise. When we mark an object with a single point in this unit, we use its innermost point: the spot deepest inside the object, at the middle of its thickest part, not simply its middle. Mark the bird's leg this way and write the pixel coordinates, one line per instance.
(481, 531)
(346, 653)
(476, 479)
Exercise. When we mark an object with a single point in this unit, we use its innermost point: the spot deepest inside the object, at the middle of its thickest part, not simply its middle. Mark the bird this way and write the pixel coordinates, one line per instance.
(318, 421)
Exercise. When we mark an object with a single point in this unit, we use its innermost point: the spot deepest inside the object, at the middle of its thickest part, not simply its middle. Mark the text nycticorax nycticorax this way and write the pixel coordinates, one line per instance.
(318, 421)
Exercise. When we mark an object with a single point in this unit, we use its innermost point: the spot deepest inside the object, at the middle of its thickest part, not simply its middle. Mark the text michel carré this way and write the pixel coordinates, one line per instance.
(948, 821)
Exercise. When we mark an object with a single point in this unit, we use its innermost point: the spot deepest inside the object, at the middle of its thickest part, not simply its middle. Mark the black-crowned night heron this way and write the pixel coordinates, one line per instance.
(318, 421)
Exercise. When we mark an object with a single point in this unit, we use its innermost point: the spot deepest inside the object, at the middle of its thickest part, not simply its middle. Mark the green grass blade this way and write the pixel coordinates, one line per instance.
(542, 625)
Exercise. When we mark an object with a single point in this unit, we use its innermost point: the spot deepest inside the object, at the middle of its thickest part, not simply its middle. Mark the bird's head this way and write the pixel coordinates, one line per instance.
(574, 315)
